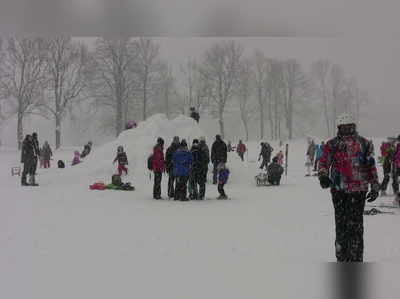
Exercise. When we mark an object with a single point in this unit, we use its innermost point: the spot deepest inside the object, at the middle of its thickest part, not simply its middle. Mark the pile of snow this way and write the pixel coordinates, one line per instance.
(138, 144)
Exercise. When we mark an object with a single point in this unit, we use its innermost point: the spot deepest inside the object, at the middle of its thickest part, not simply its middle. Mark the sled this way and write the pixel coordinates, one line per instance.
(16, 171)
(262, 179)
(375, 211)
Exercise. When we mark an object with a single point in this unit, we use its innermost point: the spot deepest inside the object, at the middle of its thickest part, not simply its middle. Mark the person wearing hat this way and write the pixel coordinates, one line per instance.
(122, 160)
(265, 154)
(168, 160)
(158, 167)
(219, 154)
(347, 167)
(182, 161)
(194, 114)
(28, 156)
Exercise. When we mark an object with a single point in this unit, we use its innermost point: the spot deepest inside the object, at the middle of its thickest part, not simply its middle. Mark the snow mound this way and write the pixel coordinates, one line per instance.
(138, 144)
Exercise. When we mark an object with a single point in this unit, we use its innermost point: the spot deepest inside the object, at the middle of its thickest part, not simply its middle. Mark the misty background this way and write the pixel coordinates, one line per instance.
(362, 37)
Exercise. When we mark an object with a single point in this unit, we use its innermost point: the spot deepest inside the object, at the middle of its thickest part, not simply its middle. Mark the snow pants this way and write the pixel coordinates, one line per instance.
(181, 188)
(29, 169)
(197, 185)
(395, 178)
(241, 155)
(221, 190)
(265, 162)
(171, 185)
(349, 209)
(122, 168)
(157, 185)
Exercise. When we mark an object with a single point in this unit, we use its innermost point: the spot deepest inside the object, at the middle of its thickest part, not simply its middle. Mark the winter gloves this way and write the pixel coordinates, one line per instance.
(372, 195)
(324, 181)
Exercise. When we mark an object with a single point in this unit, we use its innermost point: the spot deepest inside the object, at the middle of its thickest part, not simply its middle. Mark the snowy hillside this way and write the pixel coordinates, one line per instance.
(61, 240)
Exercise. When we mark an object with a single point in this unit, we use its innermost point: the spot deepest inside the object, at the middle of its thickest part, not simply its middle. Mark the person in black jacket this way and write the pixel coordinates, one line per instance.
(219, 154)
(275, 172)
(194, 114)
(86, 149)
(169, 166)
(204, 161)
(35, 141)
(28, 156)
(265, 154)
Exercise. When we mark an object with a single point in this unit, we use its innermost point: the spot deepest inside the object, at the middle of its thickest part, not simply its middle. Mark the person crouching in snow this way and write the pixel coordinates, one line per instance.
(275, 172)
(76, 159)
(122, 160)
(223, 175)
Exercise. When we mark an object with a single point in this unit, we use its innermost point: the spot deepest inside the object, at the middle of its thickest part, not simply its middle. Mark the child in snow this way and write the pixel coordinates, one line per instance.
(122, 160)
(308, 165)
(275, 171)
(223, 175)
(76, 159)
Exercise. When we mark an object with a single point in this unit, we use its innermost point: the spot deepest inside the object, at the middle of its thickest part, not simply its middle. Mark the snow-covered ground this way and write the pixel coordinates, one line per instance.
(61, 240)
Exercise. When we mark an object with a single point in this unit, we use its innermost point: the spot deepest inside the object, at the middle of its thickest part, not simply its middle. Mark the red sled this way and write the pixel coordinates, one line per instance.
(97, 186)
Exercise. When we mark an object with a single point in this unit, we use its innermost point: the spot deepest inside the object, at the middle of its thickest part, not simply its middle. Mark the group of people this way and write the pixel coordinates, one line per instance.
(187, 168)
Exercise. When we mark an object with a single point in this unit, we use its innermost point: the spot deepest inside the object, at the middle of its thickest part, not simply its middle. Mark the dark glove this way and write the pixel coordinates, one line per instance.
(372, 195)
(325, 181)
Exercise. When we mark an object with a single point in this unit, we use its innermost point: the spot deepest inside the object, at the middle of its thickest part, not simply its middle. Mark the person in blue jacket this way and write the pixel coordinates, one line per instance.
(319, 149)
(182, 161)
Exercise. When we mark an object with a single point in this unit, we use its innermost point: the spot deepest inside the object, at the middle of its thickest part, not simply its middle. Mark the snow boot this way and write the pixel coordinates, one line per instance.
(32, 181)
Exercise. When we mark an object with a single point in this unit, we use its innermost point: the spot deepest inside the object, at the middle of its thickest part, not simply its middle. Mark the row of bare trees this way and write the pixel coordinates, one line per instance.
(127, 78)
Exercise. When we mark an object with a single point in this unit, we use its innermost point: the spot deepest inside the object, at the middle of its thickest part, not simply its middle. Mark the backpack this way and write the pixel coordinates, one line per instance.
(61, 164)
(116, 180)
(150, 162)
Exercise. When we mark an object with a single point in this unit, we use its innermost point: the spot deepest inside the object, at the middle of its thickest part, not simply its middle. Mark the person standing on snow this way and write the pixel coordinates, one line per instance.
(168, 160)
(275, 171)
(35, 141)
(194, 114)
(46, 154)
(182, 160)
(195, 170)
(241, 149)
(318, 154)
(311, 151)
(396, 170)
(388, 167)
(158, 167)
(223, 175)
(265, 154)
(219, 154)
(28, 158)
(204, 161)
(347, 166)
(122, 160)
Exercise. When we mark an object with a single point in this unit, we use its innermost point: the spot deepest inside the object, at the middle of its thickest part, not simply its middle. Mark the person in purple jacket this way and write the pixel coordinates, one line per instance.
(223, 175)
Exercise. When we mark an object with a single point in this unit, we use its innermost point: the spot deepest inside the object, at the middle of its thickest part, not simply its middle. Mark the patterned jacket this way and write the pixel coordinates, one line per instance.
(350, 164)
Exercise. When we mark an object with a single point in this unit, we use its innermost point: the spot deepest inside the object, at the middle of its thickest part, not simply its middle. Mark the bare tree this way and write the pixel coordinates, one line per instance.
(147, 68)
(337, 85)
(296, 87)
(67, 68)
(262, 66)
(167, 82)
(220, 70)
(320, 73)
(114, 80)
(23, 78)
(245, 91)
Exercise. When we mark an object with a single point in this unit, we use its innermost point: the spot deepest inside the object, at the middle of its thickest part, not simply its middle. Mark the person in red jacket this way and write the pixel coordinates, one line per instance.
(347, 166)
(158, 168)
(241, 149)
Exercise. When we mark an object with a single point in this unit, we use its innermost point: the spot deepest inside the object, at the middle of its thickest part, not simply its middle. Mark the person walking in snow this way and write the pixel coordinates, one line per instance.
(219, 154)
(122, 160)
(28, 158)
(347, 166)
(241, 149)
(168, 160)
(223, 175)
(310, 154)
(182, 160)
(36, 145)
(46, 154)
(194, 114)
(158, 167)
(275, 171)
(265, 154)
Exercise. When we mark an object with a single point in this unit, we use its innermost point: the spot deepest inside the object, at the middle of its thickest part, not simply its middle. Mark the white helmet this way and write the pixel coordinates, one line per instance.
(345, 119)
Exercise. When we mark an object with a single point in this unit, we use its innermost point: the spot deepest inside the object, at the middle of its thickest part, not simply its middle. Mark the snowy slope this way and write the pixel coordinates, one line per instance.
(62, 240)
